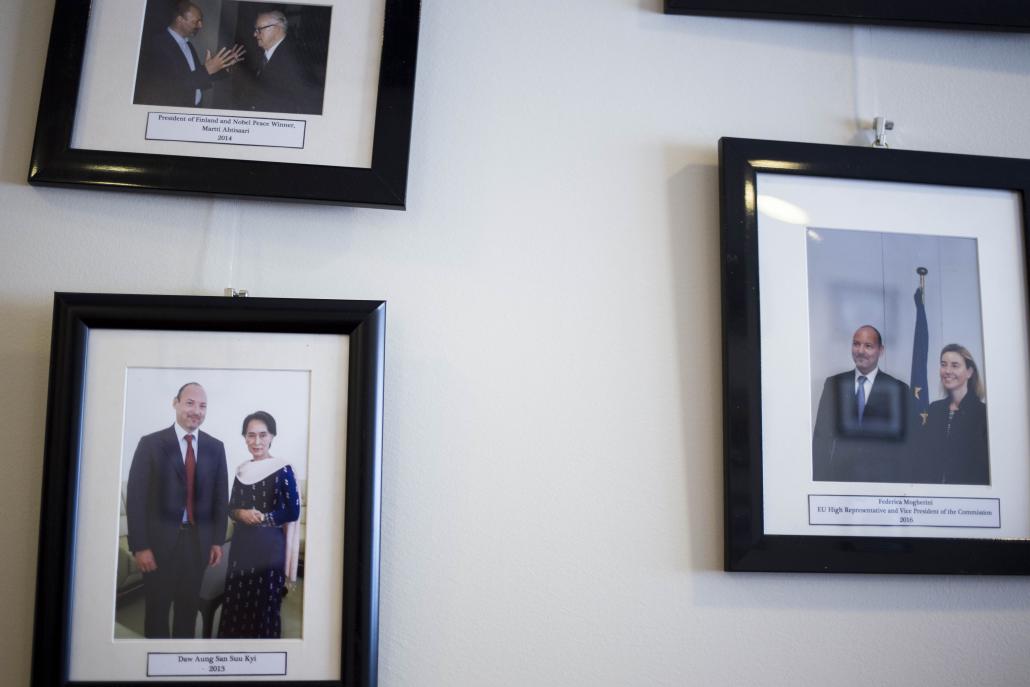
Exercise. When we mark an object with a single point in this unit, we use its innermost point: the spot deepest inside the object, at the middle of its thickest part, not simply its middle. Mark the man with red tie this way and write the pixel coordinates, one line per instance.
(177, 510)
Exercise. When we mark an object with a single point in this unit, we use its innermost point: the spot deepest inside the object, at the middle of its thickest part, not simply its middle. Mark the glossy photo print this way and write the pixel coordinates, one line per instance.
(211, 496)
(897, 362)
(877, 377)
(303, 101)
(211, 537)
(240, 56)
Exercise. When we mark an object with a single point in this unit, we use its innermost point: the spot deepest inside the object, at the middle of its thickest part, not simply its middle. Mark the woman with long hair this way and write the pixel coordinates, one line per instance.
(955, 450)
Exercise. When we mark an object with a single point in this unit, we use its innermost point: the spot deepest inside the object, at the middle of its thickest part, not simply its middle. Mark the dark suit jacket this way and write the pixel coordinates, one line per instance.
(285, 84)
(955, 455)
(164, 76)
(875, 450)
(156, 493)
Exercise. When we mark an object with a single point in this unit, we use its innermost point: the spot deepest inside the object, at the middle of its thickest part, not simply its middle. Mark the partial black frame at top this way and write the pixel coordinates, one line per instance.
(997, 15)
(384, 184)
(747, 546)
(75, 315)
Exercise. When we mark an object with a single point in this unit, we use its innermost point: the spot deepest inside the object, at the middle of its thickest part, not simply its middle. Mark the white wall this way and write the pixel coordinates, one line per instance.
(552, 504)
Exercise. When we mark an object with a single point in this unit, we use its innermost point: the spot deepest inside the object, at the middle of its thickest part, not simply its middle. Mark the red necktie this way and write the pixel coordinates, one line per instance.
(191, 473)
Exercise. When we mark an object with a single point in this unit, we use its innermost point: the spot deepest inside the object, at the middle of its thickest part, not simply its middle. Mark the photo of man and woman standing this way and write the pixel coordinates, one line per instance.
(908, 405)
(212, 526)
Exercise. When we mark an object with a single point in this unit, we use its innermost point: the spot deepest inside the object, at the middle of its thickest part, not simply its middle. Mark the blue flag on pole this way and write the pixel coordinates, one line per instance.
(920, 349)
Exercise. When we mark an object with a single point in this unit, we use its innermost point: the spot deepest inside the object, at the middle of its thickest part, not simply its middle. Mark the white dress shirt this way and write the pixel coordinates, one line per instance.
(870, 378)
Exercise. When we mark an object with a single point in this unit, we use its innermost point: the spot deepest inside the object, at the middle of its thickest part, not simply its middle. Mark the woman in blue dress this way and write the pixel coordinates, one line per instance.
(265, 507)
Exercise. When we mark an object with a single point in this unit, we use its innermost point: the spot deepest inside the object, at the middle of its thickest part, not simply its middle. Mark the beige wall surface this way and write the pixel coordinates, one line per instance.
(552, 459)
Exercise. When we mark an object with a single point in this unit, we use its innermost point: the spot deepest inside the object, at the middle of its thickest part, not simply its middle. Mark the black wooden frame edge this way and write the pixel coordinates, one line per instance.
(746, 547)
(383, 185)
(74, 315)
(947, 14)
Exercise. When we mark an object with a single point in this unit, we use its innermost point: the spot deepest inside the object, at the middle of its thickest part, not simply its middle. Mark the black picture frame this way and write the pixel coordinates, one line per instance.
(76, 315)
(382, 185)
(747, 545)
(1000, 15)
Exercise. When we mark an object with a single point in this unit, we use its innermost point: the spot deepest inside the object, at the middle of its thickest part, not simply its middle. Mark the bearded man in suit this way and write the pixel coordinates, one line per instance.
(177, 506)
(863, 425)
(170, 71)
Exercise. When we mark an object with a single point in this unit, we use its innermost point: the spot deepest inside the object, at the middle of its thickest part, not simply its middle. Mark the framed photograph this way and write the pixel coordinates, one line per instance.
(306, 101)
(997, 15)
(211, 491)
(876, 360)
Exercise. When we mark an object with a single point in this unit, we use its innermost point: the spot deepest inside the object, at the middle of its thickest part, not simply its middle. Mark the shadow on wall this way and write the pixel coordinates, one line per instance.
(24, 360)
(693, 216)
(26, 73)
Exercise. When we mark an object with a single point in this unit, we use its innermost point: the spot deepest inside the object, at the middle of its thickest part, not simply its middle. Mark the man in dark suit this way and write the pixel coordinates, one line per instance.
(177, 509)
(283, 81)
(863, 423)
(170, 71)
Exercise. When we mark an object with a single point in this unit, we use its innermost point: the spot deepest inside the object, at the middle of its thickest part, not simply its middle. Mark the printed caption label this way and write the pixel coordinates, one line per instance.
(903, 511)
(227, 129)
(214, 664)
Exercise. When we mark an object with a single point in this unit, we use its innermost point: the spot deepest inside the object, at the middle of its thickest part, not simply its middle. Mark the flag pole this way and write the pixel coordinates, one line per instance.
(920, 352)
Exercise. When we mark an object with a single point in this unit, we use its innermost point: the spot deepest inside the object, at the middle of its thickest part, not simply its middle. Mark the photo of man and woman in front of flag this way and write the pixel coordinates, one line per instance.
(898, 390)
